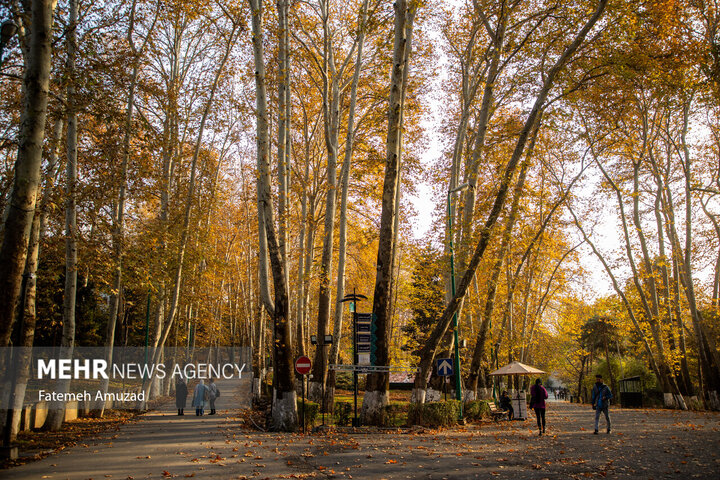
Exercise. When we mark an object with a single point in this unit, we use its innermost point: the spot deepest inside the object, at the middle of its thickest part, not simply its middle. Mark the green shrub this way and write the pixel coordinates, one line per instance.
(476, 410)
(393, 414)
(344, 380)
(311, 411)
(343, 413)
(434, 414)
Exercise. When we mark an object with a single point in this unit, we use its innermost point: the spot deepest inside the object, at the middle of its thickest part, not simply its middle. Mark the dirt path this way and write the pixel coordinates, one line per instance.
(644, 444)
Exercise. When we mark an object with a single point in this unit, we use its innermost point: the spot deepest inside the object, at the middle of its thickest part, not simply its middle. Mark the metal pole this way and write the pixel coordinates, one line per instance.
(497, 365)
(147, 326)
(494, 392)
(303, 402)
(355, 359)
(456, 366)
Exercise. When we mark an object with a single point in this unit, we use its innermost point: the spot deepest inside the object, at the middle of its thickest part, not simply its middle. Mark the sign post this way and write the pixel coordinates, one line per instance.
(445, 369)
(354, 299)
(302, 367)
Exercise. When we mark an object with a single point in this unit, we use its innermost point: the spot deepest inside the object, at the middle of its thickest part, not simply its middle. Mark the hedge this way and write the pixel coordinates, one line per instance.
(476, 410)
(343, 413)
(434, 414)
(311, 411)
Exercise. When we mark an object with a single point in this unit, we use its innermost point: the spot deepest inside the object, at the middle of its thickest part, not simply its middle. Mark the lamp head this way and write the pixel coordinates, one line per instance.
(7, 31)
(313, 339)
(328, 340)
(462, 187)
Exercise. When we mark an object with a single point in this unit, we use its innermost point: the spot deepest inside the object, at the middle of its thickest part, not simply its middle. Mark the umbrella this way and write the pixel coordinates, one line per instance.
(517, 368)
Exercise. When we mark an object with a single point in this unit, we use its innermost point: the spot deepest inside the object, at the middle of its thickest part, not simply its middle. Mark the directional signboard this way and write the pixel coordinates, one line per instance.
(445, 367)
(366, 338)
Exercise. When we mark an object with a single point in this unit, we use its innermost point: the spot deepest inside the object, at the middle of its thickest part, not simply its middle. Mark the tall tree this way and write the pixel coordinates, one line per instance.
(378, 384)
(433, 342)
(119, 216)
(21, 208)
(284, 408)
(344, 188)
(56, 414)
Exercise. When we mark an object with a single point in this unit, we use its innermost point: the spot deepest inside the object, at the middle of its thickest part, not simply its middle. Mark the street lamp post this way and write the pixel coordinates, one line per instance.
(497, 365)
(456, 366)
(327, 340)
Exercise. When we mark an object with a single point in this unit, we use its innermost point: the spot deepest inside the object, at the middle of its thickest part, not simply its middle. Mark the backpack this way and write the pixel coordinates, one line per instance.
(217, 392)
(606, 395)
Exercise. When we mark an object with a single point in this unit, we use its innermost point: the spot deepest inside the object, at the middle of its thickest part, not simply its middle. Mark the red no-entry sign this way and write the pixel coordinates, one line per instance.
(303, 365)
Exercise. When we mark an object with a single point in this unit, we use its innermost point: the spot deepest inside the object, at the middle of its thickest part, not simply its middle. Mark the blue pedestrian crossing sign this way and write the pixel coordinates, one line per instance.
(445, 367)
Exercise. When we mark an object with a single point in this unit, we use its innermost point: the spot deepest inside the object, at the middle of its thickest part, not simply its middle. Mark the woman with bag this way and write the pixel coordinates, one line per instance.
(538, 394)
(213, 393)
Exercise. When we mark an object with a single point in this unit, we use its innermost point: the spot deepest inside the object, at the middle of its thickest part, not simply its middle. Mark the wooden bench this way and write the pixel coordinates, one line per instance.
(495, 412)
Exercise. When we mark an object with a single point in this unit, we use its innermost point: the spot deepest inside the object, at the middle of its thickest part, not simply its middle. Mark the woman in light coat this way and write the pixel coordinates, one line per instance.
(199, 398)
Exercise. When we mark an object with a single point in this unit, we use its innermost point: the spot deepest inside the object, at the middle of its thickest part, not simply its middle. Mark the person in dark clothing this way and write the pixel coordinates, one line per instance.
(601, 396)
(181, 392)
(506, 404)
(538, 394)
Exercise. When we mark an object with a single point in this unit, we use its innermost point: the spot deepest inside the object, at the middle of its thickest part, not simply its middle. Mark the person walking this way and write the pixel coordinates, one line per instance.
(601, 396)
(181, 392)
(199, 395)
(213, 393)
(538, 394)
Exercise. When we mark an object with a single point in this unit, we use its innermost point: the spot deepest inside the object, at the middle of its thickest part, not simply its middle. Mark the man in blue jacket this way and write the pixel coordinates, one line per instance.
(601, 396)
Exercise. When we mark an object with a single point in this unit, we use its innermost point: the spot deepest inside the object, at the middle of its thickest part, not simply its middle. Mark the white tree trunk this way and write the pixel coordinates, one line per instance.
(57, 410)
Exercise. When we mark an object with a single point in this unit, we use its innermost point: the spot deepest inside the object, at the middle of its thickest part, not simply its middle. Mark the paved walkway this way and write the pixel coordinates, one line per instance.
(644, 444)
(161, 441)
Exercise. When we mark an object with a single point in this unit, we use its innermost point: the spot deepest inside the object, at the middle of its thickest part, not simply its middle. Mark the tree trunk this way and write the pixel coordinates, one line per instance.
(28, 311)
(331, 121)
(377, 385)
(56, 413)
(163, 333)
(283, 155)
(429, 350)
(580, 378)
(620, 293)
(708, 351)
(21, 207)
(284, 408)
(119, 218)
(649, 308)
(468, 212)
(345, 184)
(485, 325)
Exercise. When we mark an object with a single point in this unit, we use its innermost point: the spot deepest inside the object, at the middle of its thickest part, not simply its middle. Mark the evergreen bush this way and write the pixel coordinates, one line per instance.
(434, 414)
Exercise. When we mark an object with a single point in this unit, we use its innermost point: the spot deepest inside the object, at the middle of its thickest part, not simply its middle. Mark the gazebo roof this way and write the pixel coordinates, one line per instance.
(517, 368)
